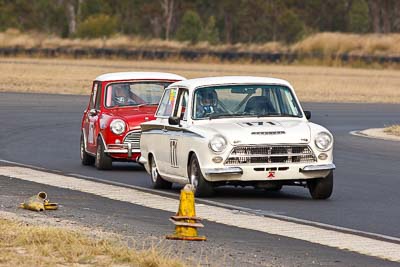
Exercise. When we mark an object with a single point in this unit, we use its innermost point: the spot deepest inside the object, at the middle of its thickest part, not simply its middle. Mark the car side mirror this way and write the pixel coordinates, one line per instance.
(92, 112)
(174, 120)
(308, 114)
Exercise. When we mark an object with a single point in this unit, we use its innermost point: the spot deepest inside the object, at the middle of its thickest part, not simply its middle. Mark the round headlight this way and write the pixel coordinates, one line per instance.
(117, 126)
(218, 143)
(323, 141)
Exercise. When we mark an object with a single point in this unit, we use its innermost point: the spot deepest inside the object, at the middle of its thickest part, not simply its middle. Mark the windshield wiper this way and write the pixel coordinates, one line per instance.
(225, 115)
(145, 104)
(278, 115)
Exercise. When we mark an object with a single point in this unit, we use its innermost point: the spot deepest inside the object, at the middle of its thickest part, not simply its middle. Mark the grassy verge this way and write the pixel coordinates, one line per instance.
(28, 245)
(393, 130)
(325, 44)
(316, 84)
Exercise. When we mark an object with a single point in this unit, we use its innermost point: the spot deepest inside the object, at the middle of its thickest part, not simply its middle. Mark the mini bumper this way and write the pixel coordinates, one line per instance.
(121, 149)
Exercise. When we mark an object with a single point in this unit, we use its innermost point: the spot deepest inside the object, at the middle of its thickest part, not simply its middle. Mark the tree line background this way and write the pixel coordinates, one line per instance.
(214, 21)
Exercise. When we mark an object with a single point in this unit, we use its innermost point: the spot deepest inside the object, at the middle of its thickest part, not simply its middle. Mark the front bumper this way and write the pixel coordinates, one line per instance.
(314, 168)
(224, 171)
(268, 172)
(121, 149)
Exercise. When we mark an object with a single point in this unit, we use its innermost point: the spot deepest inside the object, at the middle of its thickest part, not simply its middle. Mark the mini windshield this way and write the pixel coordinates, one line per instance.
(134, 93)
(245, 100)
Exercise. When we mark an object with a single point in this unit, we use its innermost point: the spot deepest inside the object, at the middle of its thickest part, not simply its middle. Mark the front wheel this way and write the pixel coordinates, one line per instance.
(86, 159)
(103, 161)
(321, 188)
(203, 188)
(157, 181)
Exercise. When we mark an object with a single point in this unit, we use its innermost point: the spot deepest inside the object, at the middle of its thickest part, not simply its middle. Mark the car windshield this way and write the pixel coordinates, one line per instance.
(245, 100)
(134, 93)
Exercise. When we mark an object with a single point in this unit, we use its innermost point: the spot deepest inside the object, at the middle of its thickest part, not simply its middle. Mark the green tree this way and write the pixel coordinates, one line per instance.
(359, 17)
(100, 25)
(291, 27)
(190, 27)
(210, 32)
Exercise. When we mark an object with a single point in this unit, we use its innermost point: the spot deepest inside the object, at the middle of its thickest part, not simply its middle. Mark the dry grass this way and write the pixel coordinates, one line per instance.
(324, 43)
(393, 130)
(355, 44)
(316, 84)
(24, 245)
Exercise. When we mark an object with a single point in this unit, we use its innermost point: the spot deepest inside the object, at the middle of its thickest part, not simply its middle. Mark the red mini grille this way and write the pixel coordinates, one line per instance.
(133, 138)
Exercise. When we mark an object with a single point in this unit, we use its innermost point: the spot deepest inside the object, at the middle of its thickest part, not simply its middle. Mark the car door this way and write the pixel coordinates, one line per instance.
(161, 147)
(92, 116)
(177, 135)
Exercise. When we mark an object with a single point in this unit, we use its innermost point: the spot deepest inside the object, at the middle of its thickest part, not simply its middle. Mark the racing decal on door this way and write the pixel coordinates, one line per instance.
(91, 133)
(173, 144)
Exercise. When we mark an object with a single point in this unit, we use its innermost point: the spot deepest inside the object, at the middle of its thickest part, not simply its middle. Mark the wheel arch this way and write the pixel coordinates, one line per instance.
(102, 140)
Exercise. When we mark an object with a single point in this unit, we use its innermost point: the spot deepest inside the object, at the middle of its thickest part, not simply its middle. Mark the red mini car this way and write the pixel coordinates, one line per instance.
(119, 103)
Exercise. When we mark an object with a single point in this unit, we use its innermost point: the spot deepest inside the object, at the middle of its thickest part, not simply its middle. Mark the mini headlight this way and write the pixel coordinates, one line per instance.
(117, 126)
(217, 143)
(323, 141)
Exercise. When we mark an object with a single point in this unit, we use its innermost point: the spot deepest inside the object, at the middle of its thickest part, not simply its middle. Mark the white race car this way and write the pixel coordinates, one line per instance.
(241, 131)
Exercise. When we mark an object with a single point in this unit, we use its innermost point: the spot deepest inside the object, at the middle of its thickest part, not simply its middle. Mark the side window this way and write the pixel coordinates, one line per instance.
(167, 103)
(181, 106)
(93, 96)
(98, 96)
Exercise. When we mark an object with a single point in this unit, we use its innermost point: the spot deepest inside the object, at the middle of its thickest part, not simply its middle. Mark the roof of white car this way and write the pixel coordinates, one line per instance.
(117, 76)
(210, 81)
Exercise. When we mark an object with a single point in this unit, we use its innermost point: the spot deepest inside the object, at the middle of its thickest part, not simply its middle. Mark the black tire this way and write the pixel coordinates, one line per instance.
(103, 161)
(203, 188)
(321, 188)
(157, 181)
(277, 188)
(86, 159)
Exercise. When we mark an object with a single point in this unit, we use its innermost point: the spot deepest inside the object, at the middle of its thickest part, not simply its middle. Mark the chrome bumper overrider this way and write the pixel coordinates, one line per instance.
(324, 167)
(230, 170)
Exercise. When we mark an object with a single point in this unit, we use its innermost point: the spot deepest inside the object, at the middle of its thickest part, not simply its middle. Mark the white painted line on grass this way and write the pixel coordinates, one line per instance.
(346, 241)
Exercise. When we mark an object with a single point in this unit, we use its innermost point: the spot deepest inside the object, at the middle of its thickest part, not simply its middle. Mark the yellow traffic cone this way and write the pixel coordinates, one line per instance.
(39, 202)
(35, 203)
(186, 222)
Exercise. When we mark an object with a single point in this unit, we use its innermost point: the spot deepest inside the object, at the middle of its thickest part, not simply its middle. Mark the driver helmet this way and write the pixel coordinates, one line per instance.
(121, 93)
(208, 99)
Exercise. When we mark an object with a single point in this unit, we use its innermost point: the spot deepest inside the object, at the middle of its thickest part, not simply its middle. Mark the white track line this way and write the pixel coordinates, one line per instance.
(219, 204)
(346, 241)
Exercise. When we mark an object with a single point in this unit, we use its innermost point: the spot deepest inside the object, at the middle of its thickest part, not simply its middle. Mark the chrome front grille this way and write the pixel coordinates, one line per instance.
(133, 138)
(270, 154)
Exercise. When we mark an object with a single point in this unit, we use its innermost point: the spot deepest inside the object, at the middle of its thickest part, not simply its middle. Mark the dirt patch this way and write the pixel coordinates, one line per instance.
(314, 84)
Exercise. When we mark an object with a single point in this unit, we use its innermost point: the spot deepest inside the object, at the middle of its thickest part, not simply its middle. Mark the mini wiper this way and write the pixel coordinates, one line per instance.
(145, 104)
(139, 105)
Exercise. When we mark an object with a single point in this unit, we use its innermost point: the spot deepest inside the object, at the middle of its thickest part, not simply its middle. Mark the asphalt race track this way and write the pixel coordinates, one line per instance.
(44, 131)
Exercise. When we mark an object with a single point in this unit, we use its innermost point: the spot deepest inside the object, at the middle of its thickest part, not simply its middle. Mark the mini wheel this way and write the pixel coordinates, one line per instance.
(86, 159)
(103, 161)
